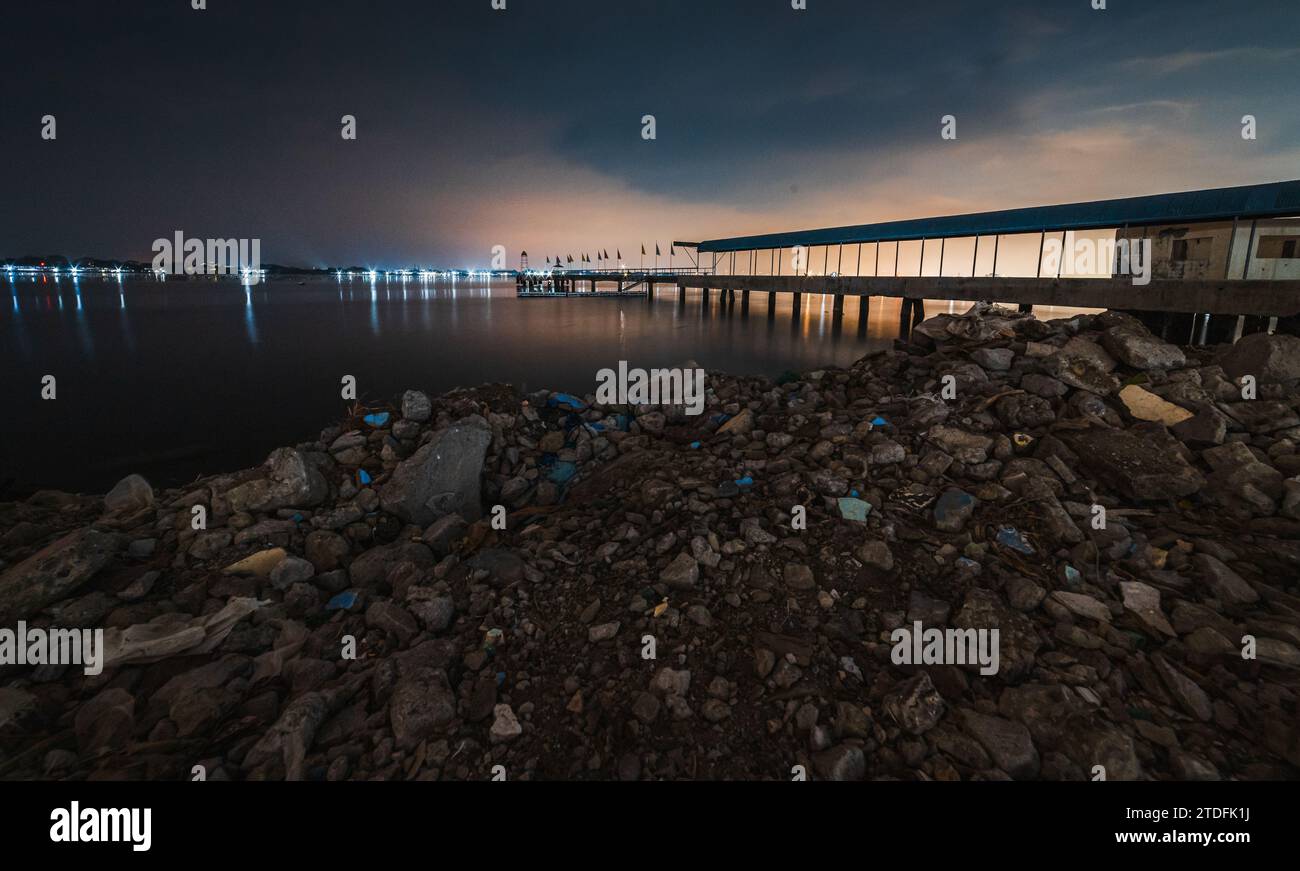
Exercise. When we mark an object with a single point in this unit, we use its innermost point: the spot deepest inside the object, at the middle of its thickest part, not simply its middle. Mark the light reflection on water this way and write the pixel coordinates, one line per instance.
(181, 378)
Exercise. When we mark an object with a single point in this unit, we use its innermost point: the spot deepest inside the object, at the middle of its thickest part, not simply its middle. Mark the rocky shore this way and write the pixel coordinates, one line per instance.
(488, 585)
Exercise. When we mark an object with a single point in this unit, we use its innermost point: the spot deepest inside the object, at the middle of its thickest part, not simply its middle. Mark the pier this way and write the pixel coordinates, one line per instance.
(1195, 266)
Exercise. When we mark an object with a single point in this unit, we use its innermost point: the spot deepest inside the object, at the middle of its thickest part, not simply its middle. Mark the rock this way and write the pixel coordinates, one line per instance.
(1145, 405)
(603, 632)
(668, 681)
(288, 480)
(291, 570)
(1086, 365)
(916, 705)
(1228, 586)
(440, 478)
(416, 406)
(1008, 742)
(106, 721)
(1184, 690)
(505, 726)
(1144, 601)
(1141, 350)
(682, 573)
(1082, 606)
(875, 554)
(1139, 465)
(421, 706)
(53, 573)
(994, 359)
(372, 567)
(1270, 359)
(843, 762)
(799, 577)
(394, 619)
(129, 495)
(953, 510)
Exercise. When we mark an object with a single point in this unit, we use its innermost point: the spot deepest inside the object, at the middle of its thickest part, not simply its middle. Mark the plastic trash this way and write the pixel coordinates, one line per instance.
(968, 564)
(562, 471)
(501, 678)
(377, 420)
(661, 608)
(342, 602)
(853, 508)
(695, 446)
(1009, 536)
(364, 477)
(1022, 440)
(566, 401)
(1073, 576)
(746, 481)
(879, 421)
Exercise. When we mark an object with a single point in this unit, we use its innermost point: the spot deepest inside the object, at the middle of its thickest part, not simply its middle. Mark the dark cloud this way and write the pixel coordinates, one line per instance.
(225, 122)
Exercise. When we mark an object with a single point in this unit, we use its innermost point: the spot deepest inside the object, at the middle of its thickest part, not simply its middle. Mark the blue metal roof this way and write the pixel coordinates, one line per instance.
(1278, 199)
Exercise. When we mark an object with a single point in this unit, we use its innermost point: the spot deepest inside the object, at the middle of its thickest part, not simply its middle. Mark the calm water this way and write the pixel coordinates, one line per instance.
(178, 379)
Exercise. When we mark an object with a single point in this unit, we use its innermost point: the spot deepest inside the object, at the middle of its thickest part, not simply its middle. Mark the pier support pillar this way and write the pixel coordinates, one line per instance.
(1025, 308)
(681, 294)
(704, 297)
(1254, 324)
(798, 304)
(744, 302)
(837, 310)
(771, 304)
(864, 307)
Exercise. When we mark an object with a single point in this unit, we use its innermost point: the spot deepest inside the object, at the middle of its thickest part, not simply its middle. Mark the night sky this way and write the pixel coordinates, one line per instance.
(523, 127)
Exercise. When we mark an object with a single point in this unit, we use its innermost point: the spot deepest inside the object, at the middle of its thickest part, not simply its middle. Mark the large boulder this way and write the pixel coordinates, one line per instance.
(1141, 350)
(129, 495)
(289, 481)
(54, 573)
(1141, 463)
(1268, 358)
(442, 477)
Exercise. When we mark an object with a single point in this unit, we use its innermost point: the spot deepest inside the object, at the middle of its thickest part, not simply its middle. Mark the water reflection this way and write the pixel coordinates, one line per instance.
(116, 340)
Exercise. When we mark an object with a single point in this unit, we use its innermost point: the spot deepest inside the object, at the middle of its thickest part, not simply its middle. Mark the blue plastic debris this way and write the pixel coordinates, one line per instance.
(879, 421)
(852, 508)
(746, 481)
(501, 678)
(1072, 576)
(719, 419)
(1009, 536)
(562, 471)
(363, 476)
(695, 446)
(968, 564)
(342, 602)
(566, 401)
(377, 420)
(853, 493)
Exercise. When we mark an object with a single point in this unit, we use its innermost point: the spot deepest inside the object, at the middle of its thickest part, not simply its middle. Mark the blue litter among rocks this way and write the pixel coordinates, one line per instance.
(377, 420)
(1072, 576)
(695, 446)
(562, 471)
(879, 421)
(566, 401)
(852, 508)
(363, 476)
(746, 481)
(342, 602)
(1009, 536)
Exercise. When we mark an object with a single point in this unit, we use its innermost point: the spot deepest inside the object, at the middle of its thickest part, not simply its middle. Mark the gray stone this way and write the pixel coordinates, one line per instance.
(1141, 350)
(291, 570)
(843, 762)
(54, 573)
(916, 705)
(1228, 586)
(416, 406)
(1269, 358)
(288, 481)
(1008, 742)
(129, 495)
(682, 573)
(422, 705)
(442, 477)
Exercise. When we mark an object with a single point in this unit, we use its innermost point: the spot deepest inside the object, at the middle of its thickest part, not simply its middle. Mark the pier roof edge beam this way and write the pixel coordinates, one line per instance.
(1271, 200)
